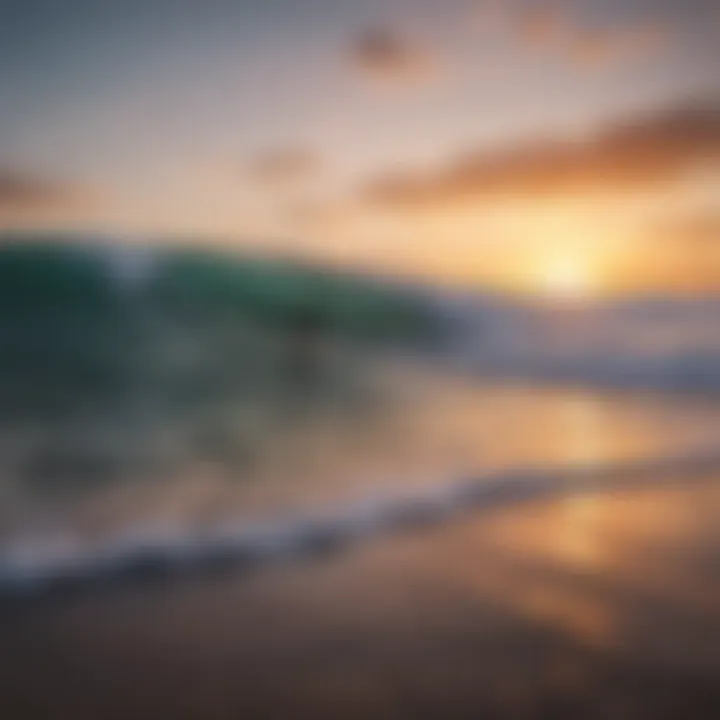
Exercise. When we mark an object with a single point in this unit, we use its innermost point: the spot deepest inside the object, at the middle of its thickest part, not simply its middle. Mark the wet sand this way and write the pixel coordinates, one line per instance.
(587, 606)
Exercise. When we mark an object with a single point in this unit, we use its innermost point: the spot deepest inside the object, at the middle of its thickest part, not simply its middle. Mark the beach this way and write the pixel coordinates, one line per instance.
(597, 605)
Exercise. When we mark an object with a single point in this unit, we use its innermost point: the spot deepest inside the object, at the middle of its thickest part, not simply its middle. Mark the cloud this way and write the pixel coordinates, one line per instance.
(557, 29)
(27, 199)
(543, 26)
(594, 48)
(697, 231)
(635, 154)
(22, 191)
(602, 48)
(285, 166)
(388, 57)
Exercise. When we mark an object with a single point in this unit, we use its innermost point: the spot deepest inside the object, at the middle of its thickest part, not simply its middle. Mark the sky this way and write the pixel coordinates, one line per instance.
(568, 147)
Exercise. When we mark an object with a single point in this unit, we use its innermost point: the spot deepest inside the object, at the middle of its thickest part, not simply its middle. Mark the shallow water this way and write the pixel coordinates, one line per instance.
(345, 471)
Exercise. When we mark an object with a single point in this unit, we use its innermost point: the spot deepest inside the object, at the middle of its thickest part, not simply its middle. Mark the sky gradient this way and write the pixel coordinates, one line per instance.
(567, 147)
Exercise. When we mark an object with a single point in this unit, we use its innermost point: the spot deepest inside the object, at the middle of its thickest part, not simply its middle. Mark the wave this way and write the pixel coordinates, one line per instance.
(156, 552)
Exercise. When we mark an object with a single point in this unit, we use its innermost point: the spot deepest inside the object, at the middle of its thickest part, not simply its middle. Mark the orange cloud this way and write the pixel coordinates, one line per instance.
(632, 155)
(697, 231)
(27, 199)
(388, 57)
(554, 27)
(23, 191)
(544, 25)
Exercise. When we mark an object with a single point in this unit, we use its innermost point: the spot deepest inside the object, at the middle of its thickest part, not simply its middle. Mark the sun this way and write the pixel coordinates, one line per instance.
(565, 277)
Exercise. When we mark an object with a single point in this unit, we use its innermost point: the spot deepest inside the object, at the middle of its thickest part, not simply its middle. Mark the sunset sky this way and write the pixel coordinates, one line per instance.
(569, 147)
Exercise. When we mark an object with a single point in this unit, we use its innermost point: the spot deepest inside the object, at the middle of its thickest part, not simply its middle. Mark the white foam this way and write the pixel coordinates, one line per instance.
(157, 549)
